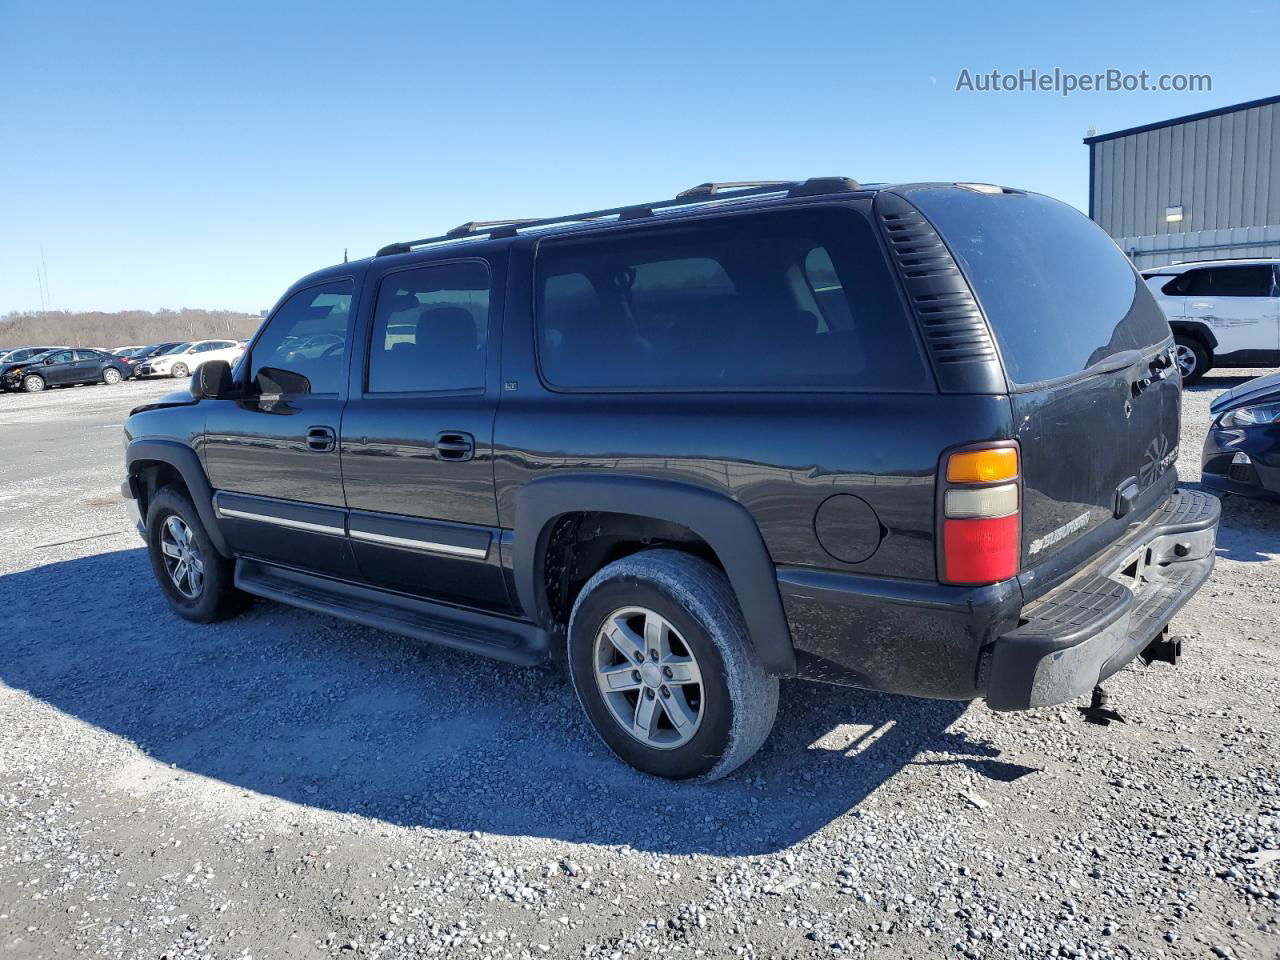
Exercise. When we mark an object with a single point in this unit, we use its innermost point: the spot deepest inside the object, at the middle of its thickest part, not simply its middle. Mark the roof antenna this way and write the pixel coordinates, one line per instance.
(344, 254)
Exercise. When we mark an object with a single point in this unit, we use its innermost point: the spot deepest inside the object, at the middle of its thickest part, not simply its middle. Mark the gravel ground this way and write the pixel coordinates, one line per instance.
(289, 785)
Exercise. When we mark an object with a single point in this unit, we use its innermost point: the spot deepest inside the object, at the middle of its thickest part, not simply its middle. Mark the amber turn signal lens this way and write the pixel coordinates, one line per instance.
(983, 466)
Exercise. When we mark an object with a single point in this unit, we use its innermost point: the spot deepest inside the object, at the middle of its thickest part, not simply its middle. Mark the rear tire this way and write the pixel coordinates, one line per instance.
(33, 383)
(111, 376)
(704, 705)
(1194, 360)
(197, 581)
(179, 371)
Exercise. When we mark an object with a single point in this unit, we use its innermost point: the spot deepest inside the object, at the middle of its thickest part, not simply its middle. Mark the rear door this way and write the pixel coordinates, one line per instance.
(1086, 350)
(87, 367)
(417, 435)
(272, 453)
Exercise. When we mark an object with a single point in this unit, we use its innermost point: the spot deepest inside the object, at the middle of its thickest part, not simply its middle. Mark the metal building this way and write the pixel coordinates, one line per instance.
(1200, 187)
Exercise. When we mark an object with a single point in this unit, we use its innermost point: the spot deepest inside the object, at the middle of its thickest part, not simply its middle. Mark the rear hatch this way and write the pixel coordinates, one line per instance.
(1096, 399)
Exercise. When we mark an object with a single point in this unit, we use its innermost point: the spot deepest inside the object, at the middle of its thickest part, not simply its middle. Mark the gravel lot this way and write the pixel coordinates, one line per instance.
(289, 785)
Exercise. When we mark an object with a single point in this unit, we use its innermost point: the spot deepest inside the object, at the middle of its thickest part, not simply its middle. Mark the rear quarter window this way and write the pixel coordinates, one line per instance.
(1059, 294)
(787, 300)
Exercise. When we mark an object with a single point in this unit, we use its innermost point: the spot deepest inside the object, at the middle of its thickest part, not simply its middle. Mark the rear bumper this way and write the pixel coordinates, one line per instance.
(1083, 631)
(927, 639)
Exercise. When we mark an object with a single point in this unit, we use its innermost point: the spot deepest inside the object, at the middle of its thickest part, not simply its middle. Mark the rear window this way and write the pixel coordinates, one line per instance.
(1059, 294)
(797, 300)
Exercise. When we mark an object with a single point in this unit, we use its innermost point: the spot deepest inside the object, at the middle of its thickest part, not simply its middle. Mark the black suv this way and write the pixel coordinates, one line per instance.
(65, 368)
(872, 435)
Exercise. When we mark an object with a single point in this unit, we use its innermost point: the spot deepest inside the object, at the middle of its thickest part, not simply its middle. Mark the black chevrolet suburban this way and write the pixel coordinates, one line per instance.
(874, 435)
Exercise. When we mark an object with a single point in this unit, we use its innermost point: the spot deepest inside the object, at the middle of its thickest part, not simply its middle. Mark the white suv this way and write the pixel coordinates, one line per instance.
(184, 362)
(1223, 312)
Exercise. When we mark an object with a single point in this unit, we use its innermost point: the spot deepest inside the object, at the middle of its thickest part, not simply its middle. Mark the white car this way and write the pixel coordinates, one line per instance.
(185, 361)
(1224, 313)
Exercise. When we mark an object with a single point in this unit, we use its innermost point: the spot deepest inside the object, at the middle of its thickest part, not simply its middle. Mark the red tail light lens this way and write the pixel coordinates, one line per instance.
(980, 526)
(980, 551)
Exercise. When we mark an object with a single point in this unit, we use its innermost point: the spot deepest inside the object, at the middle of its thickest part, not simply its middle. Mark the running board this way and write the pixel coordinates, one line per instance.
(492, 636)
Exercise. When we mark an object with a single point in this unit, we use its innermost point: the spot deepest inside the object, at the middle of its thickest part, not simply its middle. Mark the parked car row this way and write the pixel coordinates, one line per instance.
(32, 369)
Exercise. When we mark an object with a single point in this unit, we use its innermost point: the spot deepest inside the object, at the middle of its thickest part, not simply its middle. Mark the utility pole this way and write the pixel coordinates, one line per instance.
(45, 267)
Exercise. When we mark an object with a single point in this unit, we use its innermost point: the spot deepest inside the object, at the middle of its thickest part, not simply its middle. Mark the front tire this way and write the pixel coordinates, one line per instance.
(179, 371)
(111, 376)
(663, 666)
(1193, 358)
(196, 579)
(33, 383)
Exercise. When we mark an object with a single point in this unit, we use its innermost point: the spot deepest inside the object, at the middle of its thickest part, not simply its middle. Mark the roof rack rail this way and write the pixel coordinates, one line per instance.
(701, 194)
(490, 227)
(713, 189)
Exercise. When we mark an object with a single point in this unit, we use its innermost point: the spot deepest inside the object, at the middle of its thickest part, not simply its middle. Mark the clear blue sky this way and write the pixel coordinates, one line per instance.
(206, 155)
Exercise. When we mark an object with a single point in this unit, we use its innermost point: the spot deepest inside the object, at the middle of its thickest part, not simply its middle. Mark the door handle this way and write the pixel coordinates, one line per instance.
(321, 439)
(455, 446)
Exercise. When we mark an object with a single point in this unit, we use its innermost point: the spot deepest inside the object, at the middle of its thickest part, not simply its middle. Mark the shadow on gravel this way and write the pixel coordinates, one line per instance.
(333, 716)
(1249, 530)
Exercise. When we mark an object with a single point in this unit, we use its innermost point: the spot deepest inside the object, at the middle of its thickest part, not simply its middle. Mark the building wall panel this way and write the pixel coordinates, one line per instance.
(1224, 170)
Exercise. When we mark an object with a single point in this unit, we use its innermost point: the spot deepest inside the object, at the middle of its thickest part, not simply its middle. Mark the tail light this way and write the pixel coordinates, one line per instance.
(980, 516)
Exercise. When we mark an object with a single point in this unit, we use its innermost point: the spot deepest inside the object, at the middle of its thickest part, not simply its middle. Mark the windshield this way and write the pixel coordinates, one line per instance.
(178, 349)
(39, 356)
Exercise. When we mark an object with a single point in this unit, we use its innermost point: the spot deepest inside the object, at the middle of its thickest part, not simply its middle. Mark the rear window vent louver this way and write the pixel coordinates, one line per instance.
(950, 321)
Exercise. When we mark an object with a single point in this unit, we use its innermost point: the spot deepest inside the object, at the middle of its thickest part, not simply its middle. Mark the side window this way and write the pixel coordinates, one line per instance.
(430, 329)
(829, 299)
(787, 300)
(303, 348)
(1229, 282)
(203, 347)
(62, 356)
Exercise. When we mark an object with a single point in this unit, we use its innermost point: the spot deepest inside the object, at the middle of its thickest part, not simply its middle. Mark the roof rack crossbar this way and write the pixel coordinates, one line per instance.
(701, 194)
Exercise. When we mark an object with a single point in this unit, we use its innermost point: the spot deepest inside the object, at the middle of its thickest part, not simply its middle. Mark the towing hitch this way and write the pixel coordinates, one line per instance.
(1165, 648)
(1098, 712)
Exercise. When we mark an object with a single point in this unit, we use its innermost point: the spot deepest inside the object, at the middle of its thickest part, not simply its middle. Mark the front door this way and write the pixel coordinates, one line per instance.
(58, 369)
(417, 437)
(1238, 303)
(272, 453)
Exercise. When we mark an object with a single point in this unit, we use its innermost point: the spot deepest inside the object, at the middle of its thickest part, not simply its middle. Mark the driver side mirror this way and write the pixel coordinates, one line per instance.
(48, 361)
(212, 381)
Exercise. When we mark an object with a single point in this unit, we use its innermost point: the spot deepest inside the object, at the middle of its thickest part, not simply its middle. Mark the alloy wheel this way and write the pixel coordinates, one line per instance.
(1186, 360)
(33, 384)
(182, 560)
(648, 678)
(111, 375)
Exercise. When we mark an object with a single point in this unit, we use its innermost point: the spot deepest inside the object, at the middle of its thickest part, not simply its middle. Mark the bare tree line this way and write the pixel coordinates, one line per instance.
(126, 328)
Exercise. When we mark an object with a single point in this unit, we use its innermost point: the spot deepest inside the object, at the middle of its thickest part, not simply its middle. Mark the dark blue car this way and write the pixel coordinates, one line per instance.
(1242, 451)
